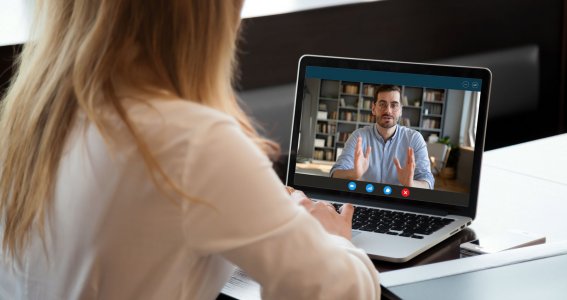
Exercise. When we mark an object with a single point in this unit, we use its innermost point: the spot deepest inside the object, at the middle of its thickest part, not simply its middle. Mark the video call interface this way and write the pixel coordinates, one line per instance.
(399, 135)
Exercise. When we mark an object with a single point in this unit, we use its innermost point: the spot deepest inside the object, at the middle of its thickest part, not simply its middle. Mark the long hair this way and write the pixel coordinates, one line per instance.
(77, 53)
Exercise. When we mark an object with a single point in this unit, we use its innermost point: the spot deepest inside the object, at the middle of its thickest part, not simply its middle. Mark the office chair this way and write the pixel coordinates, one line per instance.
(438, 155)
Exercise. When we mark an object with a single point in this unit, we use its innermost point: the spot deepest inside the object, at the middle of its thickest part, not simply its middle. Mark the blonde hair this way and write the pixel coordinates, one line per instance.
(73, 64)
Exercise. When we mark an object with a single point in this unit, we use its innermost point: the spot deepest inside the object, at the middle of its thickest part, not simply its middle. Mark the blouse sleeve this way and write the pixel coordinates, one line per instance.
(243, 213)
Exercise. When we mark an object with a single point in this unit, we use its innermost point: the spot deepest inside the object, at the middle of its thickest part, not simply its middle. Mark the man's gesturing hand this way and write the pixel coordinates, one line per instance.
(405, 174)
(361, 160)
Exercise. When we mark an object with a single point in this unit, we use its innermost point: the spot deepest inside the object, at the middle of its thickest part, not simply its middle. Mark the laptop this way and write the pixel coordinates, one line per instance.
(347, 108)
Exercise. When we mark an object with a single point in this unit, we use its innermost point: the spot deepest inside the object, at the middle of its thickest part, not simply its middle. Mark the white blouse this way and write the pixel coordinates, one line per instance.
(111, 234)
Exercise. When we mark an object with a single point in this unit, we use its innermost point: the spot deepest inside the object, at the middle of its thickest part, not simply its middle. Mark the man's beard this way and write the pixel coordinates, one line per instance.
(388, 123)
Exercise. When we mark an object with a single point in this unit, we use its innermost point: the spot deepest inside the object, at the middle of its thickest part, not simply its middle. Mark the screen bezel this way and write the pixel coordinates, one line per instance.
(400, 67)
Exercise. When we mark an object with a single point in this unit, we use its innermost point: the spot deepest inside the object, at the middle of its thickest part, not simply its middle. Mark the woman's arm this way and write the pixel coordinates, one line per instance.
(251, 220)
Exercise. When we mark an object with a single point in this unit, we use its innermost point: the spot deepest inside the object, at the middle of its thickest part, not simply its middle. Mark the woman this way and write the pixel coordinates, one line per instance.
(128, 170)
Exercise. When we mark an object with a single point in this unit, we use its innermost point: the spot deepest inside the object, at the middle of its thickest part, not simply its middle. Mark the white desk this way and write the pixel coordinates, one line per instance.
(544, 159)
(525, 187)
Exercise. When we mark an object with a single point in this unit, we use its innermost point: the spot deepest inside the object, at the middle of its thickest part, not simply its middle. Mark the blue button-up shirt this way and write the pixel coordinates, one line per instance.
(381, 166)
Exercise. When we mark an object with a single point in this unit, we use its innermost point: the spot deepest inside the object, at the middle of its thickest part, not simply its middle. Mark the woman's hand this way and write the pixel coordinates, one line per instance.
(296, 195)
(334, 223)
(325, 213)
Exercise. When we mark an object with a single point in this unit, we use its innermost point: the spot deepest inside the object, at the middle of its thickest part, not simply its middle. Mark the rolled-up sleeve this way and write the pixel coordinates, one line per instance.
(422, 165)
(346, 160)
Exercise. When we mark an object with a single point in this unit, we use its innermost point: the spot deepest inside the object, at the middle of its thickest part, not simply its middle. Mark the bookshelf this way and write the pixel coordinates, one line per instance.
(424, 110)
(345, 106)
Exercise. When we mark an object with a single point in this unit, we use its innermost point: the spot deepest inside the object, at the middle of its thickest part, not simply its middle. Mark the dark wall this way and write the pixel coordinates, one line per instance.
(412, 30)
(421, 31)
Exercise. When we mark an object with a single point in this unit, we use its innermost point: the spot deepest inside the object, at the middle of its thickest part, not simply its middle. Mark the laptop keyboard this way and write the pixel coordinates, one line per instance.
(395, 222)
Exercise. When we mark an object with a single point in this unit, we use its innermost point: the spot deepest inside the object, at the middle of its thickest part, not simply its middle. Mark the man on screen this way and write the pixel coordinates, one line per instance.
(393, 154)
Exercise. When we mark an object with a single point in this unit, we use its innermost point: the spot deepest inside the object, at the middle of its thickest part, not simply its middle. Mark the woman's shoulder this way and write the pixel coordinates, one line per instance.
(171, 123)
(176, 113)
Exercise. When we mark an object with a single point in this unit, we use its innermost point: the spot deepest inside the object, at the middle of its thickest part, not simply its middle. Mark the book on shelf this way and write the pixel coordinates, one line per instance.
(342, 102)
(319, 142)
(329, 155)
(329, 141)
(405, 122)
(348, 116)
(325, 128)
(350, 88)
(434, 96)
(367, 104)
(318, 154)
(369, 90)
(434, 109)
(332, 128)
(343, 136)
(322, 115)
(323, 155)
(322, 107)
(431, 124)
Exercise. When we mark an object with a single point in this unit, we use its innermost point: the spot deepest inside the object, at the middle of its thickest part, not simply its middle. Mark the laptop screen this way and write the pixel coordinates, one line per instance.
(385, 132)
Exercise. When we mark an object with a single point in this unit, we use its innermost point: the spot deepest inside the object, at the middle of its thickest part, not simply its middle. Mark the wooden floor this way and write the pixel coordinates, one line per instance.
(450, 185)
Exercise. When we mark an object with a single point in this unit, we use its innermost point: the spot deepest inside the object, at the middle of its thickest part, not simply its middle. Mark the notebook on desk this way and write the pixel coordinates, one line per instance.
(534, 272)
(380, 114)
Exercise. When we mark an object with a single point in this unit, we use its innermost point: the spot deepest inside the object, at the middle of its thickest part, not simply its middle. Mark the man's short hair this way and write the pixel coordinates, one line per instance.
(387, 88)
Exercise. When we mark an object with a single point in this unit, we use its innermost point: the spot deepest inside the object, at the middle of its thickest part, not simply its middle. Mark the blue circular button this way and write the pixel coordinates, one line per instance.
(352, 185)
(369, 188)
(387, 190)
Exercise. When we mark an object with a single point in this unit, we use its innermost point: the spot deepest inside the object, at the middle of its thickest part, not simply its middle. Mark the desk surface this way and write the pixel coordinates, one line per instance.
(542, 159)
(522, 187)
